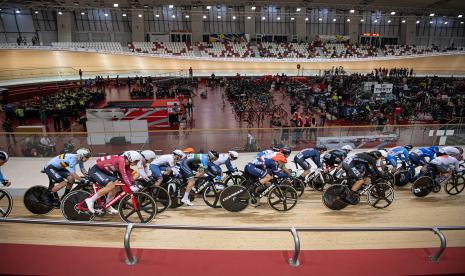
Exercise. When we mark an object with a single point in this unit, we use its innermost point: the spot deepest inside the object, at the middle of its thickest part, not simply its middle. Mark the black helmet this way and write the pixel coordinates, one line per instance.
(213, 154)
(408, 147)
(286, 151)
(274, 148)
(376, 154)
(4, 156)
(321, 148)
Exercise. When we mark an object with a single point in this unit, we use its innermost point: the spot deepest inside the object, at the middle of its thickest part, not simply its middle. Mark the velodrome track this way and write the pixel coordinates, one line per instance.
(40, 63)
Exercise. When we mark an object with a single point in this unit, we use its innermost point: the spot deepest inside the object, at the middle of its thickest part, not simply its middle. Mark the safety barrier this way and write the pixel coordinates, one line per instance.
(294, 261)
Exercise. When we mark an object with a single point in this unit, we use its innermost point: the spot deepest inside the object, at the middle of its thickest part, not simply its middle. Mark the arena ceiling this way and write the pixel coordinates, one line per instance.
(445, 7)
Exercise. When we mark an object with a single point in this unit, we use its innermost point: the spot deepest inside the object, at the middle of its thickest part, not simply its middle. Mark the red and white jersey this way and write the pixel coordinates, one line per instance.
(116, 164)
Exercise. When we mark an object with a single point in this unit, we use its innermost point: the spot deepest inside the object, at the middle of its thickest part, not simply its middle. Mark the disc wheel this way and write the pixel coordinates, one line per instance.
(455, 185)
(146, 208)
(69, 207)
(401, 178)
(211, 195)
(422, 186)
(32, 200)
(282, 198)
(234, 198)
(297, 184)
(6, 203)
(333, 197)
(233, 180)
(161, 196)
(380, 195)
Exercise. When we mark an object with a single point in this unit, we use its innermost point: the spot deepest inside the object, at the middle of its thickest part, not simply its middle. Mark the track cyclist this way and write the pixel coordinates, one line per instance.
(61, 170)
(105, 173)
(142, 166)
(456, 152)
(442, 167)
(333, 158)
(3, 159)
(263, 168)
(399, 153)
(226, 158)
(194, 162)
(310, 153)
(422, 156)
(165, 164)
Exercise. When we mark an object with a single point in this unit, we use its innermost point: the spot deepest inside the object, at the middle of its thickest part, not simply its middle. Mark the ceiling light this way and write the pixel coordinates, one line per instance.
(460, 16)
(403, 21)
(461, 22)
(124, 14)
(204, 17)
(352, 11)
(376, 21)
(83, 13)
(60, 13)
(140, 15)
(445, 23)
(431, 14)
(76, 3)
(393, 13)
(362, 20)
(146, 6)
(248, 17)
(170, 6)
(253, 8)
(431, 22)
(334, 20)
(234, 17)
(263, 18)
(36, 12)
(306, 18)
(389, 21)
(278, 18)
(320, 19)
(115, 5)
(173, 16)
(106, 14)
(157, 15)
(219, 16)
(297, 10)
(292, 18)
(187, 16)
(209, 7)
(348, 19)
(17, 11)
(418, 22)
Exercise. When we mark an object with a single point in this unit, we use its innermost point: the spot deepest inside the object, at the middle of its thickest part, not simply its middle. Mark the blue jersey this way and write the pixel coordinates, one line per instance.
(67, 161)
(424, 152)
(266, 164)
(2, 178)
(397, 153)
(310, 153)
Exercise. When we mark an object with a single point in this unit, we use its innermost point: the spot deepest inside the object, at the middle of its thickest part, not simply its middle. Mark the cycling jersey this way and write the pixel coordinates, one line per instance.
(334, 157)
(193, 163)
(260, 167)
(446, 162)
(67, 161)
(400, 153)
(418, 156)
(266, 153)
(451, 151)
(116, 164)
(225, 159)
(358, 164)
(306, 154)
(2, 178)
(161, 163)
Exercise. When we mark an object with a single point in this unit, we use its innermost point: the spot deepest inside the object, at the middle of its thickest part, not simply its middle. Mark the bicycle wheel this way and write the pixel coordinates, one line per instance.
(32, 200)
(6, 203)
(233, 180)
(297, 184)
(161, 196)
(401, 178)
(282, 198)
(211, 195)
(318, 182)
(70, 209)
(328, 178)
(422, 186)
(455, 185)
(380, 195)
(137, 208)
(333, 197)
(234, 198)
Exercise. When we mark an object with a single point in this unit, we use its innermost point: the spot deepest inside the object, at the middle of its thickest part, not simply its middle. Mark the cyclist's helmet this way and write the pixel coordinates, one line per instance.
(274, 148)
(347, 148)
(279, 157)
(408, 147)
(321, 148)
(460, 149)
(179, 153)
(286, 151)
(434, 148)
(4, 156)
(83, 152)
(214, 170)
(188, 150)
(132, 156)
(233, 154)
(148, 154)
(383, 152)
(213, 154)
(376, 154)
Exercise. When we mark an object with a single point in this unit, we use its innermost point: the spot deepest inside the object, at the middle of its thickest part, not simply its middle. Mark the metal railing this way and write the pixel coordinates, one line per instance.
(294, 261)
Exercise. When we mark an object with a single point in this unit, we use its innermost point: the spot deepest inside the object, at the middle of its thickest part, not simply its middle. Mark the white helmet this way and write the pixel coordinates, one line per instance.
(148, 154)
(132, 156)
(233, 154)
(347, 147)
(179, 153)
(383, 153)
(83, 152)
(4, 156)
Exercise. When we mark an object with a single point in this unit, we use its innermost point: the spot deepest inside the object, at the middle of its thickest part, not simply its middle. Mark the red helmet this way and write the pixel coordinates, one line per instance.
(279, 157)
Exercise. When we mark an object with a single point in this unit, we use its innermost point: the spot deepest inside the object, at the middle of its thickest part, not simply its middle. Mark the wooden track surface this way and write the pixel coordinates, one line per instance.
(436, 209)
(45, 61)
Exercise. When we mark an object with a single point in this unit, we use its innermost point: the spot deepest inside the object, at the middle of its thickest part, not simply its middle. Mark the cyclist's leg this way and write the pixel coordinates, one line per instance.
(104, 180)
(188, 175)
(156, 173)
(304, 165)
(57, 181)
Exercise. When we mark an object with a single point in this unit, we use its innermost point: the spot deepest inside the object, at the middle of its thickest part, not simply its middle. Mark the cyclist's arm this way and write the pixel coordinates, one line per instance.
(317, 160)
(229, 166)
(141, 170)
(125, 173)
(82, 168)
(72, 169)
(2, 178)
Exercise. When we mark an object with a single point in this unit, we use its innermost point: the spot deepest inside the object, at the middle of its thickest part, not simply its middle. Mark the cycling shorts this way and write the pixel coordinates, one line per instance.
(102, 178)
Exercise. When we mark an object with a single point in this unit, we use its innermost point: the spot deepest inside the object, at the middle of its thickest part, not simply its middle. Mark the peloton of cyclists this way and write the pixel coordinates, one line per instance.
(165, 164)
(3, 159)
(263, 168)
(226, 158)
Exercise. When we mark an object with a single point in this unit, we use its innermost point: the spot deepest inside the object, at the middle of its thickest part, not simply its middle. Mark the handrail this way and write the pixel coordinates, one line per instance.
(131, 260)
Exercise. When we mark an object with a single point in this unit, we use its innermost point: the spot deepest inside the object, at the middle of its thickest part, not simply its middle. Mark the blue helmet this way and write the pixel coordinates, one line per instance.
(214, 170)
(408, 147)
(434, 148)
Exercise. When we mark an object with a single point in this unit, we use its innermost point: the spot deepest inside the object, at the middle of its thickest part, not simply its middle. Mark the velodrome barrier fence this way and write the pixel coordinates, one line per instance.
(294, 261)
(20, 144)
